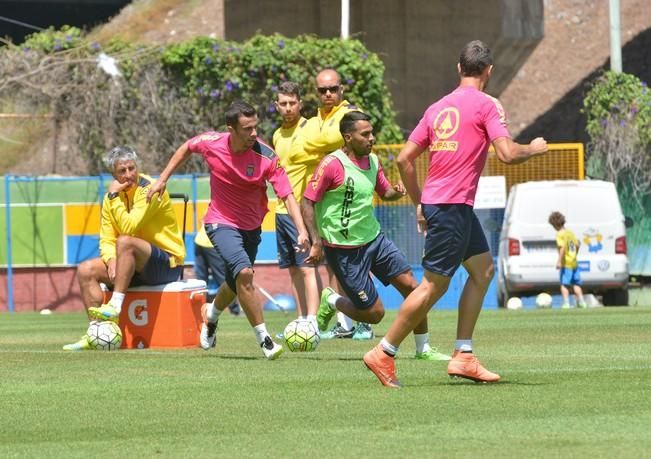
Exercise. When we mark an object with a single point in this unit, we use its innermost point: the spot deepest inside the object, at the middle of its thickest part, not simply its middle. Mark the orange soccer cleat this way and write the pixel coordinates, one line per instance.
(466, 365)
(382, 366)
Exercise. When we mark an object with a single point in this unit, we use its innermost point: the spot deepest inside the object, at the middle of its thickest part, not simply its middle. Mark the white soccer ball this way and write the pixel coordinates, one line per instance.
(104, 336)
(514, 303)
(301, 336)
(544, 300)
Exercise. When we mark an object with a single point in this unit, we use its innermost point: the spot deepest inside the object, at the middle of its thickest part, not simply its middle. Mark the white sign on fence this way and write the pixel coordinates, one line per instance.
(491, 192)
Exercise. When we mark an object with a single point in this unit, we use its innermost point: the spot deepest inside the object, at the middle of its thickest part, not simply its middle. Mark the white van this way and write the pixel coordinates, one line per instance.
(527, 252)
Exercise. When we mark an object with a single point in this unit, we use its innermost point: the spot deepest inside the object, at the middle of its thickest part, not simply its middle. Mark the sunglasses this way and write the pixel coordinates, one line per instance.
(332, 89)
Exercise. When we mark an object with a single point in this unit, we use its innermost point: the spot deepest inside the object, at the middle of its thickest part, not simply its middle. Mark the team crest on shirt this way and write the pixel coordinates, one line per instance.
(445, 125)
(362, 295)
(249, 170)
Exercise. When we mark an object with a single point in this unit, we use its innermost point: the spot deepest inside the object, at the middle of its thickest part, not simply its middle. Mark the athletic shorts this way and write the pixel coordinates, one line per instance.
(352, 267)
(453, 235)
(570, 276)
(286, 237)
(237, 247)
(157, 270)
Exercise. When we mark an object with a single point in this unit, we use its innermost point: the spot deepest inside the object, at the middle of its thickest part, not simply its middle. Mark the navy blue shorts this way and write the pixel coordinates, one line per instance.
(352, 267)
(286, 237)
(570, 276)
(157, 270)
(453, 235)
(237, 247)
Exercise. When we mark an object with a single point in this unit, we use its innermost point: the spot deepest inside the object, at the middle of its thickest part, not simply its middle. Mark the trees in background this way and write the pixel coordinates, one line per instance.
(155, 97)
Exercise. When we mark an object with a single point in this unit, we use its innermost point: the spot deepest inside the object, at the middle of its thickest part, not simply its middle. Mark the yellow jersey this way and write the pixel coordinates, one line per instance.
(201, 238)
(321, 132)
(130, 214)
(566, 239)
(288, 144)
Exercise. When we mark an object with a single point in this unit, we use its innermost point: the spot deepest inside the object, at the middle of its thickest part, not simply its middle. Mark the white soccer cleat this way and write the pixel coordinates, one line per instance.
(208, 335)
(270, 349)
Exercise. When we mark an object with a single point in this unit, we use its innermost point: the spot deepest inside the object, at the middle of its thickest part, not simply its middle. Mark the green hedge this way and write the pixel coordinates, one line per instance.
(218, 72)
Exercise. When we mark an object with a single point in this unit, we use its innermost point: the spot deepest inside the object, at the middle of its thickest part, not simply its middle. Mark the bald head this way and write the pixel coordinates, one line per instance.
(327, 77)
(330, 91)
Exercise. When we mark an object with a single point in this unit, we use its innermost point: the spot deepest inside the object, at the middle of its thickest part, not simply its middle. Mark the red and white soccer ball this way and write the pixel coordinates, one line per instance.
(104, 336)
(301, 336)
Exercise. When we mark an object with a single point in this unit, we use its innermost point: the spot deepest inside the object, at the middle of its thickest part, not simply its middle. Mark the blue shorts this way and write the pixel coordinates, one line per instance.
(237, 247)
(157, 270)
(570, 276)
(352, 267)
(453, 235)
(286, 237)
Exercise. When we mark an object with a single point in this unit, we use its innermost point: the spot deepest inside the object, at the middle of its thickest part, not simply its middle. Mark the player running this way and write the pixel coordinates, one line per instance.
(338, 212)
(457, 131)
(240, 166)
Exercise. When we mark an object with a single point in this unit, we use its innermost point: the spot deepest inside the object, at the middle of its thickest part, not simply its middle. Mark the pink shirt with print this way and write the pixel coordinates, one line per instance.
(330, 175)
(238, 181)
(457, 130)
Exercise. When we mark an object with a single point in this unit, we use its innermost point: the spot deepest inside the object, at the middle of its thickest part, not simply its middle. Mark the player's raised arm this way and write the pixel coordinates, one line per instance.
(511, 152)
(158, 187)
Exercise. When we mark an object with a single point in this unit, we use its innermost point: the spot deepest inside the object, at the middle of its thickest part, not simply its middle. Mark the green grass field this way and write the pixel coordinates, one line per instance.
(575, 383)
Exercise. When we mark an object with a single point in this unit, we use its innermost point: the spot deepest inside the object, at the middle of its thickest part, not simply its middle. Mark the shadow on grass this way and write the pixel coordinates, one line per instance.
(466, 382)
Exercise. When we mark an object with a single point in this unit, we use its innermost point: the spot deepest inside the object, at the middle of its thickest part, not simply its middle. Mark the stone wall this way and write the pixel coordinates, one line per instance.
(419, 40)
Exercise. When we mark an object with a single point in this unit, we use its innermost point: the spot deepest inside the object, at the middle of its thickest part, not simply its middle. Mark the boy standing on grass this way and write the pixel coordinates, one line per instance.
(568, 249)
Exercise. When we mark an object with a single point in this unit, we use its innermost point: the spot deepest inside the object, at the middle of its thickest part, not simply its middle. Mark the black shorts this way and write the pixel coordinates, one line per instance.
(286, 239)
(352, 267)
(237, 247)
(453, 235)
(157, 270)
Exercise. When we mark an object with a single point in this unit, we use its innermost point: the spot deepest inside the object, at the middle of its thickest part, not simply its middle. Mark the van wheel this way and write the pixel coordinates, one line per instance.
(616, 297)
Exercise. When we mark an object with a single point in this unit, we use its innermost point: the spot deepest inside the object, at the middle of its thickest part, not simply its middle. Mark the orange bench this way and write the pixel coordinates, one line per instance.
(167, 315)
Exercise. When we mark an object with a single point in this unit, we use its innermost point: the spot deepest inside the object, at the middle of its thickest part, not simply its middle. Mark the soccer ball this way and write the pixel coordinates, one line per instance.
(301, 336)
(544, 300)
(104, 336)
(514, 303)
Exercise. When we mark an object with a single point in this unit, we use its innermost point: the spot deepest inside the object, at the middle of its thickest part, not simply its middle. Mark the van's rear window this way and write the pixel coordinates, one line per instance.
(579, 205)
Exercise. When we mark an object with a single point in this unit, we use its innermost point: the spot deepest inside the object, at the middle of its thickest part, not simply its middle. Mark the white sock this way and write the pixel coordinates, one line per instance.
(345, 321)
(213, 313)
(388, 347)
(332, 300)
(312, 318)
(463, 345)
(422, 343)
(301, 317)
(260, 332)
(116, 300)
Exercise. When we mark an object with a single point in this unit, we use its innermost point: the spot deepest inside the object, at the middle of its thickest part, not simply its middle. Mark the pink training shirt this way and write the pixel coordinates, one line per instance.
(330, 174)
(457, 131)
(238, 181)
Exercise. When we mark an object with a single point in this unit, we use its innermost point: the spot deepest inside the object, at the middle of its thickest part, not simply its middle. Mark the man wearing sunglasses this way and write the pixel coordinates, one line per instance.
(322, 137)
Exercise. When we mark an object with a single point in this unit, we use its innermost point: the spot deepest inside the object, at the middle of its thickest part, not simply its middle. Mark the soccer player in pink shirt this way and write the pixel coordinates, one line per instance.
(456, 131)
(240, 166)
